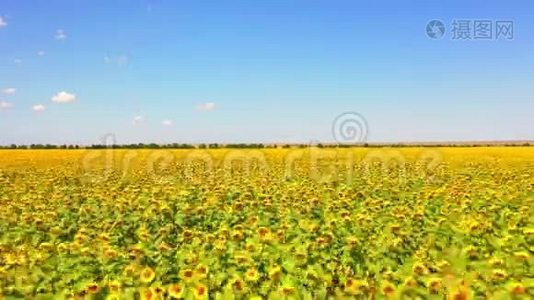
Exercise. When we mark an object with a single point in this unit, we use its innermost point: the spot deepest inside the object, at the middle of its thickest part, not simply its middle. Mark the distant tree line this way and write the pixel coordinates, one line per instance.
(139, 146)
(250, 146)
(41, 146)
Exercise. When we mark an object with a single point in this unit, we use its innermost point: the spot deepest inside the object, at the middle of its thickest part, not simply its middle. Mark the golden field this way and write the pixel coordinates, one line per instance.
(314, 223)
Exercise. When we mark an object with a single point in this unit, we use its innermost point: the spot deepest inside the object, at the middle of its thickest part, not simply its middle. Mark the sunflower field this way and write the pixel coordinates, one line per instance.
(346, 223)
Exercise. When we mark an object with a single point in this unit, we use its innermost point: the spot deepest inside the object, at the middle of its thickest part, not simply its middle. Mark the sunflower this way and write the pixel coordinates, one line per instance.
(252, 220)
(241, 258)
(209, 237)
(92, 288)
(200, 291)
(354, 286)
(46, 246)
(442, 265)
(164, 231)
(521, 255)
(287, 291)
(187, 275)
(263, 232)
(147, 294)
(86, 251)
(147, 275)
(460, 293)
(252, 275)
(434, 285)
(143, 234)
(499, 274)
(80, 238)
(159, 291)
(165, 209)
(352, 241)
(312, 274)
(63, 248)
(114, 286)
(111, 253)
(164, 247)
(410, 282)
(237, 235)
(516, 288)
(496, 262)
(187, 234)
(285, 225)
(136, 252)
(224, 232)
(387, 289)
(114, 296)
(219, 246)
(275, 273)
(176, 291)
(280, 233)
(395, 228)
(75, 245)
(528, 232)
(104, 237)
(191, 257)
(251, 247)
(321, 241)
(419, 269)
(129, 270)
(238, 286)
(301, 257)
(471, 251)
(201, 271)
(345, 215)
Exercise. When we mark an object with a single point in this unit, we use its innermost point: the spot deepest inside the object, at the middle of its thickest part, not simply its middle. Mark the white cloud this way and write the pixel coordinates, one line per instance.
(120, 60)
(38, 107)
(167, 122)
(64, 97)
(60, 34)
(138, 119)
(5, 105)
(3, 22)
(207, 106)
(9, 91)
(41, 53)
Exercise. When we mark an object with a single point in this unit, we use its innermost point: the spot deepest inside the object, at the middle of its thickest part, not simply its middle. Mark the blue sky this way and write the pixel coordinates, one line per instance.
(260, 71)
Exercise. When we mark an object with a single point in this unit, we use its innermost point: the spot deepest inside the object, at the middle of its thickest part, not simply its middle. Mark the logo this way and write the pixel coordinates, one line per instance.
(435, 29)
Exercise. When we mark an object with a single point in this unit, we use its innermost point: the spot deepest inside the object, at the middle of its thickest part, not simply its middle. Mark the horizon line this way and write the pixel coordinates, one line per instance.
(312, 143)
